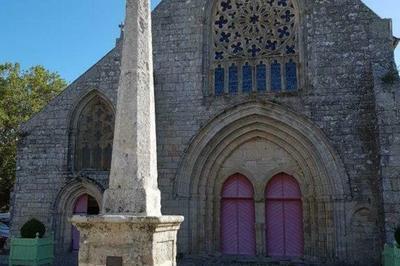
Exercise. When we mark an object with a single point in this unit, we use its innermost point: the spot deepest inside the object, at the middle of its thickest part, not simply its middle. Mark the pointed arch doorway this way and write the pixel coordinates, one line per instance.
(284, 217)
(84, 205)
(238, 217)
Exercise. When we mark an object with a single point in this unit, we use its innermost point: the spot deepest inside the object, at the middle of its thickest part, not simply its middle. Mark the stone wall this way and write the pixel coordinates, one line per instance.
(43, 164)
(342, 103)
(337, 95)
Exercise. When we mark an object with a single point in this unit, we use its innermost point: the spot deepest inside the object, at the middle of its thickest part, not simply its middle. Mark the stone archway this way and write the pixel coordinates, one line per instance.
(313, 162)
(90, 146)
(64, 209)
(84, 205)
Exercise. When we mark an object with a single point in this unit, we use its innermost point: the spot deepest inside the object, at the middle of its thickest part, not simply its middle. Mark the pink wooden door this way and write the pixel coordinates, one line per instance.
(81, 207)
(238, 217)
(284, 217)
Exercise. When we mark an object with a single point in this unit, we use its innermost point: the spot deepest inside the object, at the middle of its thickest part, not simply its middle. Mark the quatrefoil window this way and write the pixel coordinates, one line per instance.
(255, 46)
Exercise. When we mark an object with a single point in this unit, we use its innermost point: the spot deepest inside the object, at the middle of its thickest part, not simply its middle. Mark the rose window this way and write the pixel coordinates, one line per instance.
(255, 46)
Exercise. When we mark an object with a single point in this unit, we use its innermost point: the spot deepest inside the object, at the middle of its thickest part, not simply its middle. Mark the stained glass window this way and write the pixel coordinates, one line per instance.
(219, 80)
(250, 31)
(261, 77)
(95, 131)
(247, 78)
(276, 82)
(254, 28)
(291, 76)
(233, 79)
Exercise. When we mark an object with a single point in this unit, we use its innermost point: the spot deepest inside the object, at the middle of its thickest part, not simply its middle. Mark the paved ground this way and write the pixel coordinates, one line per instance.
(67, 260)
(238, 261)
(3, 260)
(71, 260)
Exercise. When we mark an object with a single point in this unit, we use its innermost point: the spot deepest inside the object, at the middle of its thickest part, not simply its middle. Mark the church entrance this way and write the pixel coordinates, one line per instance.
(238, 217)
(84, 205)
(284, 217)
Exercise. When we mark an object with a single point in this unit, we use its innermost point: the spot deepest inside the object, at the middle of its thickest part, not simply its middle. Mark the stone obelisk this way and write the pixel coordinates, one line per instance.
(133, 178)
(131, 229)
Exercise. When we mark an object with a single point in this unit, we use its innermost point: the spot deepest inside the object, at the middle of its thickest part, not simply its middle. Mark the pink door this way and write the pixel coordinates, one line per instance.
(284, 217)
(238, 217)
(81, 207)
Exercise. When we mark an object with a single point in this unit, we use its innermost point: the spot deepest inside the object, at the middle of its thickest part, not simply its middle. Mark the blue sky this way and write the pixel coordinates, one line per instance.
(68, 36)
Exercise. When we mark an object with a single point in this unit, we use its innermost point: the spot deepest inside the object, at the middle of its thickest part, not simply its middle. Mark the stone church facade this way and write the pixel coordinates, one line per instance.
(277, 129)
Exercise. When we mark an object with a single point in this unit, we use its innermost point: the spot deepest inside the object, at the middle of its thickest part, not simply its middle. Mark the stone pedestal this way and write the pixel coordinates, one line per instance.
(127, 240)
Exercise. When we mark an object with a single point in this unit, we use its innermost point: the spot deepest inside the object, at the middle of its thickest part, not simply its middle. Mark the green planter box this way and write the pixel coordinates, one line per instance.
(32, 251)
(391, 256)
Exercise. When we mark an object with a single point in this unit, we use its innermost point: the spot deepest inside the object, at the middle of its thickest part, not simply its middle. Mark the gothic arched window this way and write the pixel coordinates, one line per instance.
(94, 136)
(254, 46)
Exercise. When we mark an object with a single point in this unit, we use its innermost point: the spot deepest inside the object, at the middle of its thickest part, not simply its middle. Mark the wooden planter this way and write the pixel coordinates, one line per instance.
(32, 251)
(391, 256)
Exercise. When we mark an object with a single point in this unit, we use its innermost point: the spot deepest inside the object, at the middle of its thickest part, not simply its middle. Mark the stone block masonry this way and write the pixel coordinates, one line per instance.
(344, 51)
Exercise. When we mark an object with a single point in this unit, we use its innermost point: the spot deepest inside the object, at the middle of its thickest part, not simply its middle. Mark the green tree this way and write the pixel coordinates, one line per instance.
(22, 94)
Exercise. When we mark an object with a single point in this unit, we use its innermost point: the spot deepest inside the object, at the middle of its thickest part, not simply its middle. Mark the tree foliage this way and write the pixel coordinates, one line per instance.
(22, 94)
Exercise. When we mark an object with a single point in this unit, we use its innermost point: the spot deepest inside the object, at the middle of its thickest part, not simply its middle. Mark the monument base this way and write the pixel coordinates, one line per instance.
(116, 240)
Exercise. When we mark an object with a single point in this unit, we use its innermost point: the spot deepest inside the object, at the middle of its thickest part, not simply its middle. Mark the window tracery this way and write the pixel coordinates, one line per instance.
(95, 131)
(255, 46)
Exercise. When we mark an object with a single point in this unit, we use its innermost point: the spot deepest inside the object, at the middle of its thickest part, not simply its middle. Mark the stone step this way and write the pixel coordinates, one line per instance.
(203, 261)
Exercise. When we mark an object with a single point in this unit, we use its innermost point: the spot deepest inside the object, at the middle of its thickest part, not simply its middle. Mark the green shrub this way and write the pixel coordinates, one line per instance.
(397, 236)
(31, 227)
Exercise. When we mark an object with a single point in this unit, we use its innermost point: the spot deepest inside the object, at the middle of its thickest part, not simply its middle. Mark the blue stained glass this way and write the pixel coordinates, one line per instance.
(233, 79)
(291, 76)
(219, 80)
(261, 77)
(276, 82)
(226, 5)
(247, 78)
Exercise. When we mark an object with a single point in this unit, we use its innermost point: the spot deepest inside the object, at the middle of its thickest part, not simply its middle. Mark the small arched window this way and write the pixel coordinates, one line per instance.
(254, 47)
(94, 136)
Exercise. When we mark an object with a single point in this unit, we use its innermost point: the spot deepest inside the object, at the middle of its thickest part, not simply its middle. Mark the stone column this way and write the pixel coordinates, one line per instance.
(133, 179)
(131, 229)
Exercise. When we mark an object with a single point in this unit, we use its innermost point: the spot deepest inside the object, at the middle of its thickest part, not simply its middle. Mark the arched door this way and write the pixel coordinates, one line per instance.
(238, 217)
(284, 217)
(84, 205)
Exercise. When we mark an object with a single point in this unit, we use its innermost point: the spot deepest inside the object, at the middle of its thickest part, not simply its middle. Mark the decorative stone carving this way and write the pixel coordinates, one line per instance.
(254, 29)
(254, 46)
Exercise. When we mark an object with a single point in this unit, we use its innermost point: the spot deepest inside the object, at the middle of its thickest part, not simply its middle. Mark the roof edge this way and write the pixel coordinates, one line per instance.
(27, 125)
(396, 42)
